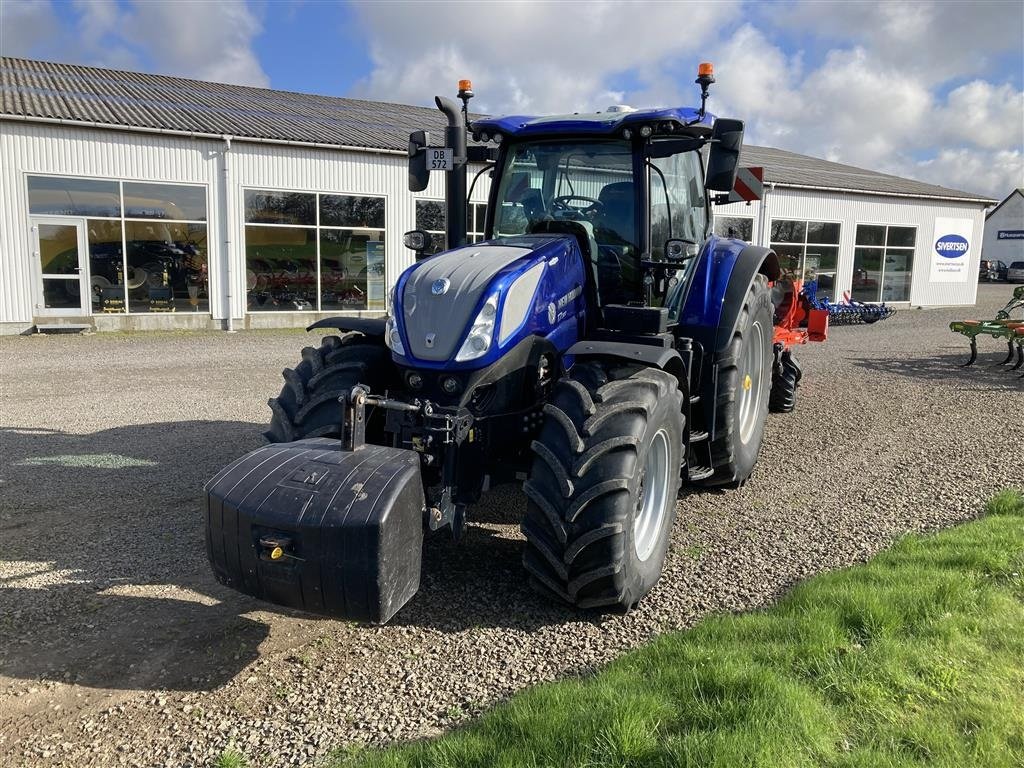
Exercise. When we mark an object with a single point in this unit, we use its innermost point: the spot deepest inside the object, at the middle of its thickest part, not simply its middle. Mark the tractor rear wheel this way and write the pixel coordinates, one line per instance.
(603, 485)
(744, 383)
(308, 404)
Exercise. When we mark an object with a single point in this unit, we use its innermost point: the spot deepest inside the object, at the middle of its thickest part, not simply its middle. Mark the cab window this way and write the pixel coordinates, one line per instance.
(678, 208)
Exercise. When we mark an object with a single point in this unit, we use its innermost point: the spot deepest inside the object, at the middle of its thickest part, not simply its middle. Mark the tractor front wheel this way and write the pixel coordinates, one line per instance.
(308, 404)
(603, 486)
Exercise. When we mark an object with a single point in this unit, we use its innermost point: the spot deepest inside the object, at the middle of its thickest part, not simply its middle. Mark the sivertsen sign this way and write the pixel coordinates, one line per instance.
(951, 250)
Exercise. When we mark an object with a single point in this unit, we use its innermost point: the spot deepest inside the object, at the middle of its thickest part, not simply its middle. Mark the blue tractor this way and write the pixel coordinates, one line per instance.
(600, 342)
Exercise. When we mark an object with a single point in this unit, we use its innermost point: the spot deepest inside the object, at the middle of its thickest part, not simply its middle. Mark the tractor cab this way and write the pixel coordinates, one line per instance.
(624, 196)
(629, 185)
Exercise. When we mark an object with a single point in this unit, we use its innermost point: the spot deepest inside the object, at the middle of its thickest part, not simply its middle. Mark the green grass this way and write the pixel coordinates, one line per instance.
(912, 659)
(230, 758)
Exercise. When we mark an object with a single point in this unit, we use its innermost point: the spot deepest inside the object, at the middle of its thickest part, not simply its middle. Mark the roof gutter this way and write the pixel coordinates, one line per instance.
(977, 201)
(218, 137)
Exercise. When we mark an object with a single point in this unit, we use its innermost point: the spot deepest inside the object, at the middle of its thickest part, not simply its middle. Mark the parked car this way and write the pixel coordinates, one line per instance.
(1015, 272)
(992, 270)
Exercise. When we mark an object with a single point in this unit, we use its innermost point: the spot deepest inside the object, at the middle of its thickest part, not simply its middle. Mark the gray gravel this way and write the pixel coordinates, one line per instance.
(118, 648)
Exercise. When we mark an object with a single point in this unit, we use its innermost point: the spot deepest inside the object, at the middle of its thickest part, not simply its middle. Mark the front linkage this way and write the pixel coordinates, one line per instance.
(435, 433)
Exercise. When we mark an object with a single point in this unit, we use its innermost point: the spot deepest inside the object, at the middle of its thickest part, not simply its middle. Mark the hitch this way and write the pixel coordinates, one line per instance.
(441, 427)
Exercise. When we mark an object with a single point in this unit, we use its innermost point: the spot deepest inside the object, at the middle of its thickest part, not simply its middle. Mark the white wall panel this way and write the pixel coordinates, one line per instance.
(27, 148)
(30, 148)
(850, 210)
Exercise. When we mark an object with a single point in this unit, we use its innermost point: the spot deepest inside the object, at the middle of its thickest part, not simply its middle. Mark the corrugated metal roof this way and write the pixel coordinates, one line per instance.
(48, 90)
(791, 169)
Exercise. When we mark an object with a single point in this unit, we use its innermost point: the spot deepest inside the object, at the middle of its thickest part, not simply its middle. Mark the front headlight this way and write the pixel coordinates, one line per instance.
(481, 334)
(391, 335)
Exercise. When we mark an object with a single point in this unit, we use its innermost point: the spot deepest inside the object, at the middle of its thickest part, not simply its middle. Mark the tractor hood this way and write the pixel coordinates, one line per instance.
(439, 300)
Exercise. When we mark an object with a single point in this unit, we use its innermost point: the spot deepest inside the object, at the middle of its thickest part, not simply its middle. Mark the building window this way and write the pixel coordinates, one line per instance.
(808, 250)
(883, 263)
(736, 227)
(147, 242)
(431, 216)
(308, 251)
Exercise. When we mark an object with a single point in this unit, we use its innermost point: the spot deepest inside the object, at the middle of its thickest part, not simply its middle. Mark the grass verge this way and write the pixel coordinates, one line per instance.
(914, 658)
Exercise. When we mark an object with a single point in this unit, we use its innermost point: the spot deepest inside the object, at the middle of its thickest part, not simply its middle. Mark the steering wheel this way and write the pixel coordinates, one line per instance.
(561, 203)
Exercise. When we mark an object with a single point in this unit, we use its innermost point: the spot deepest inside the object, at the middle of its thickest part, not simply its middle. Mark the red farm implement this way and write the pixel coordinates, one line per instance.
(797, 321)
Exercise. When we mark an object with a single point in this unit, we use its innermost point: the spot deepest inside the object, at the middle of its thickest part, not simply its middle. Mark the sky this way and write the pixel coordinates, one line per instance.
(927, 90)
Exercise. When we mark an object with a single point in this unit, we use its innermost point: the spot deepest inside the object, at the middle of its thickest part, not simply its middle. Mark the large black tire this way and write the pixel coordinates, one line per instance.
(785, 378)
(590, 538)
(741, 404)
(308, 403)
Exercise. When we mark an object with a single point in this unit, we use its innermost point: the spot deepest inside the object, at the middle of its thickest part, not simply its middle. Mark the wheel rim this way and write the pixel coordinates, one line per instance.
(652, 503)
(750, 381)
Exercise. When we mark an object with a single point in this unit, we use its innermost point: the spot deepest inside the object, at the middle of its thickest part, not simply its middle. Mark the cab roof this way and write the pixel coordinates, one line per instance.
(683, 121)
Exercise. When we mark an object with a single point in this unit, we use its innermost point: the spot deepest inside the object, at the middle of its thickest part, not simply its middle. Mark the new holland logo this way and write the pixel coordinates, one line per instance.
(951, 246)
(440, 287)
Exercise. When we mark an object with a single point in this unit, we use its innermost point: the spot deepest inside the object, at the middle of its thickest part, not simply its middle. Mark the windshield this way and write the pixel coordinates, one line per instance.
(589, 182)
(587, 186)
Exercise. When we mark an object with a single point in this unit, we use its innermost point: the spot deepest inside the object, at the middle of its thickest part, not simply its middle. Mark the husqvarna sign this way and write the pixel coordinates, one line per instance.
(951, 250)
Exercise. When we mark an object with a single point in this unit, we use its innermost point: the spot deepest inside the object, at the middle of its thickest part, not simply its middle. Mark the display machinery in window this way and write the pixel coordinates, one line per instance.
(314, 251)
(147, 241)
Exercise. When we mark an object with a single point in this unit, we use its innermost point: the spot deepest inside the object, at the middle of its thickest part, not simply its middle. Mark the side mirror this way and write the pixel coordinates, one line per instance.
(680, 250)
(419, 174)
(417, 240)
(724, 157)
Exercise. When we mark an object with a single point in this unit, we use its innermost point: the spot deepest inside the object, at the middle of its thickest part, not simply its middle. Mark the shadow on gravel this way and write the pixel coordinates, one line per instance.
(102, 531)
(985, 375)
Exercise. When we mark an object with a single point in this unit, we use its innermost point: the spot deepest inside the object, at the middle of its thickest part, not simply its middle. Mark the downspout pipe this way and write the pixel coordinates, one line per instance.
(762, 215)
(455, 187)
(229, 255)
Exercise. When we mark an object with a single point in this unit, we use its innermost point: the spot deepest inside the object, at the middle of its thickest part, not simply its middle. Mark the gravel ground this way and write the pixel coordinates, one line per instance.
(118, 648)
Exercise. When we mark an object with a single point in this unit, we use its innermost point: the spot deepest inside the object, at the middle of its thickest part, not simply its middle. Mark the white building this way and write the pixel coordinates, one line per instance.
(1004, 230)
(139, 201)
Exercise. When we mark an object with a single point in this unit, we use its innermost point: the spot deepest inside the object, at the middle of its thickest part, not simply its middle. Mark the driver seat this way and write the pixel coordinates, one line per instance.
(617, 216)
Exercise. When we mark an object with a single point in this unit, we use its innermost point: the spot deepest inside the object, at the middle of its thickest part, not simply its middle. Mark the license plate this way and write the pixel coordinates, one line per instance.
(440, 159)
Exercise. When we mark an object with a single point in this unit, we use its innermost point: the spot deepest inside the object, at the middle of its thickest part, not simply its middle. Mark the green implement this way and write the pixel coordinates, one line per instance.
(1004, 326)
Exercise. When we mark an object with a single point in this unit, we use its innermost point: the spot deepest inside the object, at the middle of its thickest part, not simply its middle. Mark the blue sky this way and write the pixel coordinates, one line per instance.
(927, 89)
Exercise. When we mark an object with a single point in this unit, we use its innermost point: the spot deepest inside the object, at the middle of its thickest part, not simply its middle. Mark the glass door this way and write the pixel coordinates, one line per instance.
(63, 270)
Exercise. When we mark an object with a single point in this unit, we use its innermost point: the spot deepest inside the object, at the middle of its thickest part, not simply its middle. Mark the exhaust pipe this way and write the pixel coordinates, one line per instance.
(455, 188)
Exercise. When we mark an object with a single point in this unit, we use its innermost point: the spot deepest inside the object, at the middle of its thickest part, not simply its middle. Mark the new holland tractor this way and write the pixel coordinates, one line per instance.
(600, 343)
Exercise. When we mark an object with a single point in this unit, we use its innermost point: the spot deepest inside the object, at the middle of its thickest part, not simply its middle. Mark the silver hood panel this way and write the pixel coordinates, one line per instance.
(435, 323)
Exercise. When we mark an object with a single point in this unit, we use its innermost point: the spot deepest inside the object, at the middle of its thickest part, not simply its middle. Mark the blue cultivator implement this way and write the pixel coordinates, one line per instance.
(849, 311)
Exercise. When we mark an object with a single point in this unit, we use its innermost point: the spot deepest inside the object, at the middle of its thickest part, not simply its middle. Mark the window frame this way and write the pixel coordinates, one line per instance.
(838, 245)
(881, 284)
(479, 234)
(122, 219)
(316, 227)
(751, 219)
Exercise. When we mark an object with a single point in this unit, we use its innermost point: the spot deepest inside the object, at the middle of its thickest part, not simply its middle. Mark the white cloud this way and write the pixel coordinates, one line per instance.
(24, 25)
(527, 57)
(875, 94)
(992, 172)
(203, 40)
